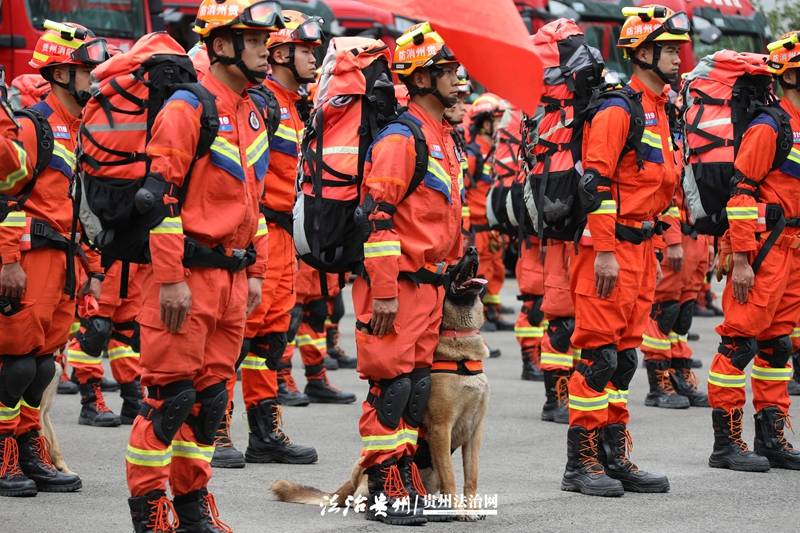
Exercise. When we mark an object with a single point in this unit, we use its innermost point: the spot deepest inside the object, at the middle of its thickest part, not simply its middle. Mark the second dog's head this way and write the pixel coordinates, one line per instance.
(463, 295)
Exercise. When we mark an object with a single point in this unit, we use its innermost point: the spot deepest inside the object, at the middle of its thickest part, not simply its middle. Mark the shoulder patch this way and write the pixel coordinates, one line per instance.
(614, 101)
(187, 96)
(764, 118)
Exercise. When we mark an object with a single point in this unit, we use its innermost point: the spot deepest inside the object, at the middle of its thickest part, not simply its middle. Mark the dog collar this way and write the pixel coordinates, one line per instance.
(459, 333)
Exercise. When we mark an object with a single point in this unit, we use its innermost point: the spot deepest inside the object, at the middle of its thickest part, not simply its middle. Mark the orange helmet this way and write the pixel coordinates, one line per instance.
(784, 53)
(68, 44)
(299, 28)
(237, 14)
(652, 23)
(420, 47)
(487, 104)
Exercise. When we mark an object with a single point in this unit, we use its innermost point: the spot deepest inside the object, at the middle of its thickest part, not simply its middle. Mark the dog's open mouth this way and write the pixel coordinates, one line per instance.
(473, 285)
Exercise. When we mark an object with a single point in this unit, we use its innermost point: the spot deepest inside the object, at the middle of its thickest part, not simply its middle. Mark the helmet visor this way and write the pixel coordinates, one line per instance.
(309, 31)
(266, 15)
(92, 52)
(677, 23)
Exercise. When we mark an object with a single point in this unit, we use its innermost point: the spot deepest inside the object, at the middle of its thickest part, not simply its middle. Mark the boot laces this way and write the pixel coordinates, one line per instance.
(416, 480)
(626, 447)
(664, 382)
(588, 453)
(393, 483)
(783, 420)
(10, 466)
(278, 423)
(689, 377)
(735, 419)
(159, 519)
(223, 437)
(562, 391)
(42, 449)
(99, 400)
(212, 512)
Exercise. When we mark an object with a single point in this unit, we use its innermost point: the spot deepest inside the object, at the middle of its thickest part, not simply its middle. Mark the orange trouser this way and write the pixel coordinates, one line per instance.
(619, 321)
(203, 352)
(122, 345)
(39, 328)
(770, 313)
(490, 252)
(558, 309)
(408, 351)
(259, 382)
(666, 334)
(530, 278)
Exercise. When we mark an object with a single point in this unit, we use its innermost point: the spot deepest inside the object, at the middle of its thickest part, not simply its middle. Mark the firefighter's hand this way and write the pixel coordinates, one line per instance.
(606, 270)
(675, 257)
(176, 300)
(743, 277)
(253, 294)
(659, 273)
(384, 312)
(12, 280)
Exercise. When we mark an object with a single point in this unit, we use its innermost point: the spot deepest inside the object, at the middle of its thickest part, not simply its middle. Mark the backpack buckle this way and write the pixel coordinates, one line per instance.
(38, 228)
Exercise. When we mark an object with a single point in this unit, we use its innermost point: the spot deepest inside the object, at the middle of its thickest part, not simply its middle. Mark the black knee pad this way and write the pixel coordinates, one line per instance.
(213, 402)
(45, 370)
(178, 398)
(559, 331)
(16, 375)
(315, 313)
(604, 364)
(684, 320)
(337, 308)
(740, 350)
(665, 314)
(418, 399)
(127, 332)
(627, 360)
(781, 351)
(295, 319)
(534, 310)
(95, 334)
(392, 402)
(245, 349)
(269, 347)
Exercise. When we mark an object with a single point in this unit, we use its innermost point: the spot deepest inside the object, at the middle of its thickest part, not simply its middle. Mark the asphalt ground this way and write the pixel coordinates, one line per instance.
(522, 460)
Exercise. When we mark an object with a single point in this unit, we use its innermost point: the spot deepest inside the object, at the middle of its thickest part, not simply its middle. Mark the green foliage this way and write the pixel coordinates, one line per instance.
(782, 15)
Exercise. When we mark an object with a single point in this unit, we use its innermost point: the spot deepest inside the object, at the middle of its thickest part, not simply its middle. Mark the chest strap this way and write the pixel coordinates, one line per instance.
(462, 368)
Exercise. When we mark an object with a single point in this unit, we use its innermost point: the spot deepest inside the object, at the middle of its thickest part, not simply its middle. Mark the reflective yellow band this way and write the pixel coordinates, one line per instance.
(257, 148)
(673, 211)
(152, 458)
(320, 343)
(263, 229)
(771, 374)
(654, 343)
(742, 213)
(726, 380)
(796, 333)
(285, 132)
(121, 352)
(192, 450)
(557, 359)
(15, 219)
(20, 172)
(607, 207)
(64, 153)
(491, 299)
(389, 442)
(465, 211)
(169, 226)
(9, 413)
(253, 362)
(528, 332)
(588, 404)
(617, 396)
(652, 139)
(26, 405)
(78, 356)
(381, 249)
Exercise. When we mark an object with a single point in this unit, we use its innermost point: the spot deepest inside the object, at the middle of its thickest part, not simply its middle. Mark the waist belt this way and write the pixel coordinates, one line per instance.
(196, 254)
(775, 223)
(44, 236)
(528, 297)
(284, 220)
(479, 228)
(637, 232)
(429, 275)
(686, 229)
(462, 368)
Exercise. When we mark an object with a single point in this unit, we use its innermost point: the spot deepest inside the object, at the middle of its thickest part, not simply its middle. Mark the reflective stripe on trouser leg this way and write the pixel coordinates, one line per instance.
(617, 405)
(587, 407)
(312, 344)
(147, 460)
(86, 366)
(681, 348)
(258, 381)
(725, 384)
(553, 360)
(655, 345)
(124, 361)
(770, 385)
(9, 417)
(29, 418)
(191, 462)
(379, 443)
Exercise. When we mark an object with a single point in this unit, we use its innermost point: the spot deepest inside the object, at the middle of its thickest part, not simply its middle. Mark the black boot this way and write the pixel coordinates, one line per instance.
(94, 411)
(35, 462)
(335, 350)
(385, 485)
(267, 442)
(556, 409)
(661, 392)
(771, 442)
(288, 394)
(695, 363)
(433, 510)
(109, 384)
(493, 316)
(197, 513)
(494, 353)
(319, 390)
(615, 443)
(794, 384)
(730, 451)
(66, 385)
(225, 453)
(685, 383)
(584, 473)
(330, 363)
(131, 394)
(152, 513)
(530, 370)
(12, 481)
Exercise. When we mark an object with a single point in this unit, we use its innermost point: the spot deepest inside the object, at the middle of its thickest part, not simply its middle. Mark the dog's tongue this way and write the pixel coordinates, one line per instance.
(474, 283)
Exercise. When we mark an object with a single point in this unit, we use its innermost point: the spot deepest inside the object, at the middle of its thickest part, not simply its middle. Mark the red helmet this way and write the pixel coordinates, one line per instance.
(68, 44)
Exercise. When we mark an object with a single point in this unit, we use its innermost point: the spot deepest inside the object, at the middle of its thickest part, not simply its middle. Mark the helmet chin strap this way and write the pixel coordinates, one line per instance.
(293, 67)
(653, 65)
(794, 86)
(256, 77)
(81, 97)
(434, 72)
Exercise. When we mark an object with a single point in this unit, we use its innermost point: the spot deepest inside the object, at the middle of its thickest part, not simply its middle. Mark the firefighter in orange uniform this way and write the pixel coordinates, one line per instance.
(398, 303)
(613, 278)
(39, 267)
(192, 317)
(761, 300)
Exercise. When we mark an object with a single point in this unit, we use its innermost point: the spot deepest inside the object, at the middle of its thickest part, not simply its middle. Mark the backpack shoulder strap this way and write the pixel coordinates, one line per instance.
(784, 130)
(45, 144)
(421, 149)
(475, 150)
(209, 119)
(267, 103)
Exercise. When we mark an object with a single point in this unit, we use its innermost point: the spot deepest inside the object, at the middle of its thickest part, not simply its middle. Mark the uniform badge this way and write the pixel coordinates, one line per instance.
(254, 123)
(61, 132)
